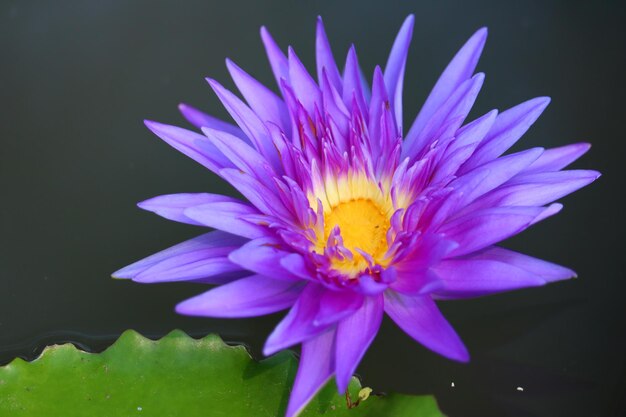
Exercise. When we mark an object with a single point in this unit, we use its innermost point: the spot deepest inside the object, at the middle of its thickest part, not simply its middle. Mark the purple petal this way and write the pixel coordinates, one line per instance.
(509, 126)
(536, 189)
(337, 305)
(461, 148)
(482, 228)
(354, 336)
(306, 90)
(558, 158)
(248, 121)
(172, 206)
(260, 196)
(263, 257)
(352, 86)
(459, 70)
(493, 174)
(278, 60)
(548, 271)
(324, 58)
(242, 155)
(192, 144)
(267, 105)
(317, 365)
(396, 63)
(247, 297)
(298, 325)
(549, 211)
(211, 243)
(420, 318)
(200, 119)
(470, 277)
(447, 119)
(474, 132)
(209, 266)
(378, 103)
(227, 216)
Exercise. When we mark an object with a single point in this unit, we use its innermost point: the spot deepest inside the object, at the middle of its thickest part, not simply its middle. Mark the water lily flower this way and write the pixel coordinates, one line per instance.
(348, 214)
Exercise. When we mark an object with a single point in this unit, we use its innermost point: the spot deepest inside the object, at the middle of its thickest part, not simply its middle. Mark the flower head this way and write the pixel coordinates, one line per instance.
(348, 214)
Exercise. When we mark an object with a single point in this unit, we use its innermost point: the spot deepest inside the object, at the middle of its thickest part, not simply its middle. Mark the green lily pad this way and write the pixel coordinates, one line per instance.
(176, 376)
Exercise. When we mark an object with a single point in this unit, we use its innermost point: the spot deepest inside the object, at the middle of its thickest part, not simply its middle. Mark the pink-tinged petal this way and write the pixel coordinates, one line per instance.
(324, 58)
(420, 318)
(352, 85)
(278, 60)
(558, 158)
(548, 271)
(298, 325)
(212, 242)
(267, 105)
(468, 277)
(509, 126)
(447, 119)
(493, 174)
(354, 335)
(263, 257)
(227, 216)
(482, 228)
(263, 198)
(317, 366)
(192, 144)
(242, 155)
(172, 206)
(247, 297)
(200, 119)
(535, 189)
(248, 121)
(459, 70)
(396, 64)
(337, 305)
(306, 90)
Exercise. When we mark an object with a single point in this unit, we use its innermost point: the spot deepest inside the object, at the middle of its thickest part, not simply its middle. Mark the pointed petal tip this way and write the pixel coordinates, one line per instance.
(211, 81)
(479, 77)
(120, 274)
(270, 348)
(481, 34)
(542, 101)
(186, 309)
(462, 356)
(151, 124)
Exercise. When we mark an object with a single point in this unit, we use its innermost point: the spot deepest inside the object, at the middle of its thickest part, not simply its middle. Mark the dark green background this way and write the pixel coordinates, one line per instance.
(77, 78)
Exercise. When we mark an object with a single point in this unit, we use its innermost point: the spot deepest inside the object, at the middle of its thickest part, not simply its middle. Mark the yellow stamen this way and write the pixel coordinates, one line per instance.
(363, 225)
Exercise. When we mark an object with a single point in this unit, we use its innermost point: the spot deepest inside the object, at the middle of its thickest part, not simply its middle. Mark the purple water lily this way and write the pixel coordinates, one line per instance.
(348, 214)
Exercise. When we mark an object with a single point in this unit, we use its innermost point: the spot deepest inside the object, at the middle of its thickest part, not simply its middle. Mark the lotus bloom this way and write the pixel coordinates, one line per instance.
(348, 215)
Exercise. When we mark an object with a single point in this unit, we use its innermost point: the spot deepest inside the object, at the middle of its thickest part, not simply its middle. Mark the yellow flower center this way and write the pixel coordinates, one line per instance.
(363, 225)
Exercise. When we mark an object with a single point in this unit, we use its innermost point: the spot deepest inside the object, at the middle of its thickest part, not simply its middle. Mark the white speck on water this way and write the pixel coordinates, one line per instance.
(452, 384)
(520, 389)
(139, 408)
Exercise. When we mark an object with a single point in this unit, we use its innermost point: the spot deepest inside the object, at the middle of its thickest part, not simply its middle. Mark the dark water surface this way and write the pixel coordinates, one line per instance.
(78, 77)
